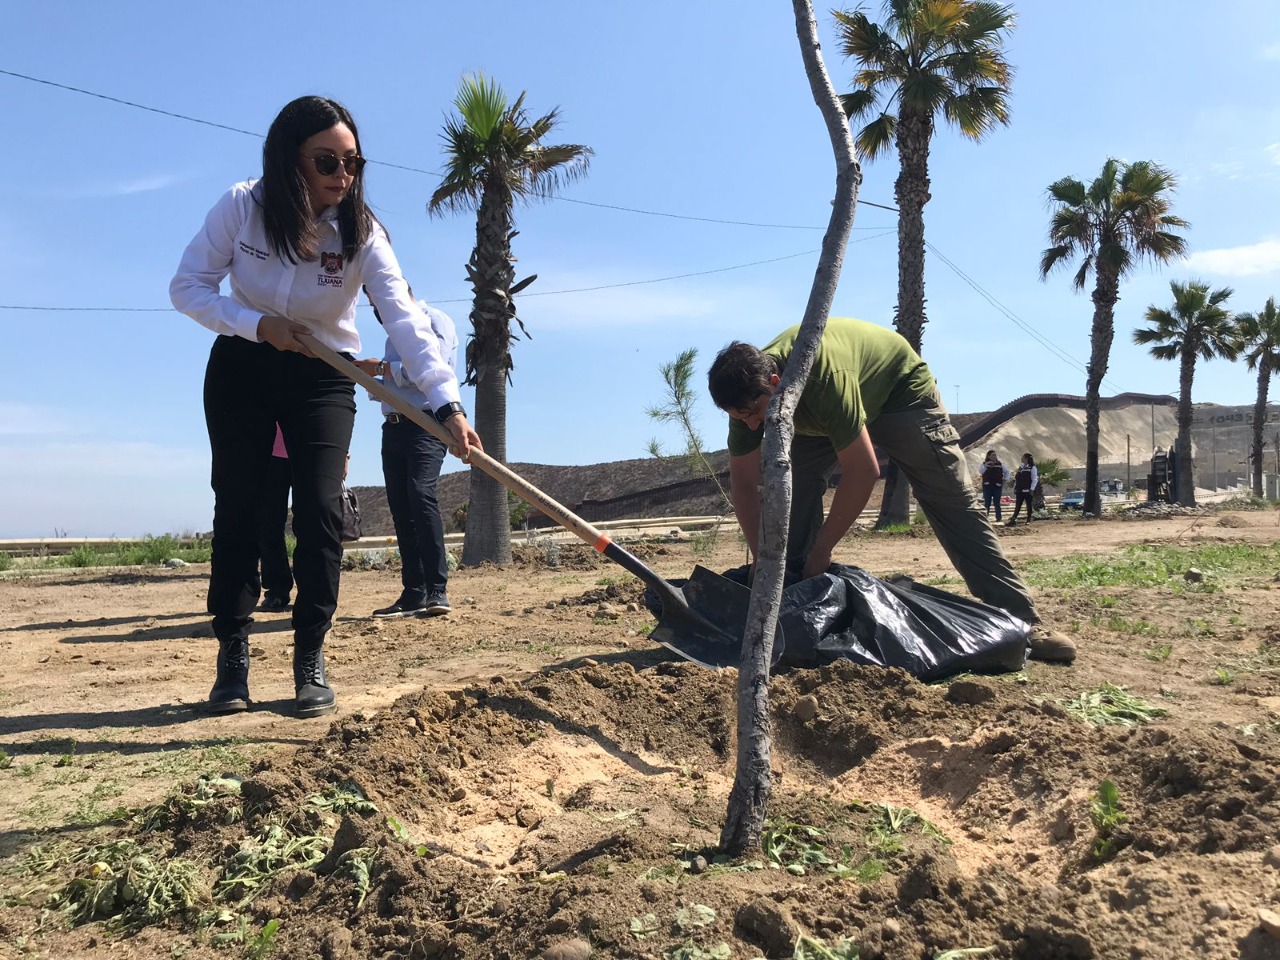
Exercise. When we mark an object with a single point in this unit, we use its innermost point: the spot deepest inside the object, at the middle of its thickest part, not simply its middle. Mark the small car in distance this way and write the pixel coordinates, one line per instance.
(1072, 500)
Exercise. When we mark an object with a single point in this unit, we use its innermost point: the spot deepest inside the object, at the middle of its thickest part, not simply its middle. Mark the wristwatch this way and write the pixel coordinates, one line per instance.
(450, 410)
(381, 368)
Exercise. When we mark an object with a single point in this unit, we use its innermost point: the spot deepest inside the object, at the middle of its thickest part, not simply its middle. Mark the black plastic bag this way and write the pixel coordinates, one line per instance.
(846, 613)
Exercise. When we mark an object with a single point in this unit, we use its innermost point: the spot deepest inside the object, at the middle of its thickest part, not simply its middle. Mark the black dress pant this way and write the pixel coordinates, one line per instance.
(248, 389)
(411, 461)
(273, 514)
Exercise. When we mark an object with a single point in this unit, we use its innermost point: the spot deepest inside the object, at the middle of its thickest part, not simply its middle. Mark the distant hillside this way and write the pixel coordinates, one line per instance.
(1049, 425)
(622, 489)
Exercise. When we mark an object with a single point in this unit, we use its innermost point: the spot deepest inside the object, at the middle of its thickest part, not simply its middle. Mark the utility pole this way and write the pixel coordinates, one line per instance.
(1128, 466)
(1153, 429)
(957, 398)
(1213, 424)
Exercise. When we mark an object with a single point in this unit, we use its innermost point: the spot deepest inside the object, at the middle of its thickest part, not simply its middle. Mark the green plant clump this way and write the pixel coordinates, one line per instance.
(1105, 812)
(131, 886)
(1110, 704)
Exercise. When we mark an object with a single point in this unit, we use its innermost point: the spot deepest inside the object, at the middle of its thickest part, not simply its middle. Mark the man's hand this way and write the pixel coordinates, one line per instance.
(281, 333)
(369, 367)
(816, 563)
(464, 437)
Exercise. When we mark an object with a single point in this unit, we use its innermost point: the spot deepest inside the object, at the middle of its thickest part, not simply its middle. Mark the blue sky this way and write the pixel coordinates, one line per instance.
(694, 109)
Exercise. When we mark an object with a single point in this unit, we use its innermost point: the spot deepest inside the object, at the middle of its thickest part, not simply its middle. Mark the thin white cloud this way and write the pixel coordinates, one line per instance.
(1273, 152)
(1270, 52)
(105, 189)
(28, 419)
(1247, 261)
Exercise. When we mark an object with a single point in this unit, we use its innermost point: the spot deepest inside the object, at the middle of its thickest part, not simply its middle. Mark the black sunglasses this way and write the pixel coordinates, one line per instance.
(327, 164)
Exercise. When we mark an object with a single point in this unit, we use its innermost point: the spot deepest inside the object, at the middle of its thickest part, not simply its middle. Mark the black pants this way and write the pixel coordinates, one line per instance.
(273, 514)
(1021, 497)
(248, 388)
(411, 461)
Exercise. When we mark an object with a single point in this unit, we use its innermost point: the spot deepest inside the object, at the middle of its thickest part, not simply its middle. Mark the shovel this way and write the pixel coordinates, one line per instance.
(703, 621)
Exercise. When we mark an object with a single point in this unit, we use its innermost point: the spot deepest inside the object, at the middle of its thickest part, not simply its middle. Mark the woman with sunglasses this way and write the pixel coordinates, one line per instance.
(298, 245)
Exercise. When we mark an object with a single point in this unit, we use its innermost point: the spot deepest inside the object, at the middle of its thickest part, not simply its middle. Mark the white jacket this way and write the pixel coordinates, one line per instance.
(321, 293)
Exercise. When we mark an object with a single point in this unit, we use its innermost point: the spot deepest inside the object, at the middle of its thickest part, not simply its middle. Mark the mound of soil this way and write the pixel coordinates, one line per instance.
(514, 818)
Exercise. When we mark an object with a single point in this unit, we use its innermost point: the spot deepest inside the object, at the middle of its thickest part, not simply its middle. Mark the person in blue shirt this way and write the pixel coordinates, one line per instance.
(411, 462)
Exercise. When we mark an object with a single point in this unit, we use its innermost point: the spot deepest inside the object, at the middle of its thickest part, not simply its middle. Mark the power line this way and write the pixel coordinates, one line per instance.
(1022, 324)
(736, 223)
(130, 103)
(541, 293)
(429, 173)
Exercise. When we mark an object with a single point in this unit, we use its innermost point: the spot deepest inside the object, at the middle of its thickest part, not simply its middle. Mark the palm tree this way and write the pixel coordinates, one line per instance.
(1121, 218)
(1260, 336)
(930, 59)
(1198, 325)
(495, 156)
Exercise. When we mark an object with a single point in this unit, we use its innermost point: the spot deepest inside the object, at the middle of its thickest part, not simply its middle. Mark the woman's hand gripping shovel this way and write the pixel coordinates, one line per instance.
(703, 621)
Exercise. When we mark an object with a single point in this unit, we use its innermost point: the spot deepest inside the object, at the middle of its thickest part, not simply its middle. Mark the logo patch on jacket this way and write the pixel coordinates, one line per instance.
(331, 265)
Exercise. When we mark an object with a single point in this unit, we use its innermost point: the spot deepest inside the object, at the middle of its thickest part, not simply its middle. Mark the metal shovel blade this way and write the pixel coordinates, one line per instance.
(704, 619)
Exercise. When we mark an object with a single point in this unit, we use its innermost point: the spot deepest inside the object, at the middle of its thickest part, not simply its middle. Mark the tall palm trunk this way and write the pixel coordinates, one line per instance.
(1186, 476)
(912, 192)
(1105, 295)
(1260, 419)
(488, 534)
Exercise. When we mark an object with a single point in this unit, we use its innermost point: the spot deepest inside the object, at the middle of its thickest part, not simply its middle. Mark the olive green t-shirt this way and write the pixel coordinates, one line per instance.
(861, 371)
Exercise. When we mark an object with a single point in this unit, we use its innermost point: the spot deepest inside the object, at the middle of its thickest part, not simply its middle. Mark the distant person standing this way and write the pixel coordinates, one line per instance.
(1025, 482)
(273, 514)
(994, 476)
(411, 462)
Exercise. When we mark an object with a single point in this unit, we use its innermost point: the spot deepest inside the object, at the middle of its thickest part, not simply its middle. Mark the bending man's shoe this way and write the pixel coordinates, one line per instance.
(230, 693)
(1050, 646)
(312, 695)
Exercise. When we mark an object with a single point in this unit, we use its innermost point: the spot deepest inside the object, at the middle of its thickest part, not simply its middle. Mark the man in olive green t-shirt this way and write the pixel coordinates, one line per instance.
(867, 386)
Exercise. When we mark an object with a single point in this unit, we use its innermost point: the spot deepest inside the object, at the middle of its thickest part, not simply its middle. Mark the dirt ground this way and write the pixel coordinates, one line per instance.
(531, 776)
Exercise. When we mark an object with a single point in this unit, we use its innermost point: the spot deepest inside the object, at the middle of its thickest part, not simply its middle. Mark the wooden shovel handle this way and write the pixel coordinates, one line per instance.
(494, 468)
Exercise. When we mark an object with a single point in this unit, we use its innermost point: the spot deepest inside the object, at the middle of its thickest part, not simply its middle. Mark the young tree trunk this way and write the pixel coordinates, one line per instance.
(1186, 413)
(1105, 295)
(1260, 420)
(488, 534)
(749, 798)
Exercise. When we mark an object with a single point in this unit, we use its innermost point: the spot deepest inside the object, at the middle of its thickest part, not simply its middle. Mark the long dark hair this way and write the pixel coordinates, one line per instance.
(286, 209)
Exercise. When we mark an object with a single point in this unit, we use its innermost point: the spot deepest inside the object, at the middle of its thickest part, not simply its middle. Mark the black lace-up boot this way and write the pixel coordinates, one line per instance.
(230, 693)
(312, 695)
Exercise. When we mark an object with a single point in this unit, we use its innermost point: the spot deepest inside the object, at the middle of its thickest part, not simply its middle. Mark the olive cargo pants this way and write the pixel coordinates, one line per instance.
(926, 447)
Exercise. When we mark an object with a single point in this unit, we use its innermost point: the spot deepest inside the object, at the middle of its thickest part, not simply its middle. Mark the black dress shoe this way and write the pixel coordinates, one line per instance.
(274, 603)
(401, 608)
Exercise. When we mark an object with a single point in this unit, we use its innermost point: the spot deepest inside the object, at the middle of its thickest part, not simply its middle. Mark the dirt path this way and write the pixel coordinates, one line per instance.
(551, 714)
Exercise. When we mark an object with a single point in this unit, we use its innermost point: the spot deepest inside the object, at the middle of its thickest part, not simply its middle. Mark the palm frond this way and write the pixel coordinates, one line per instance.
(1068, 191)
(978, 111)
(858, 103)
(482, 104)
(984, 21)
(925, 93)
(877, 136)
